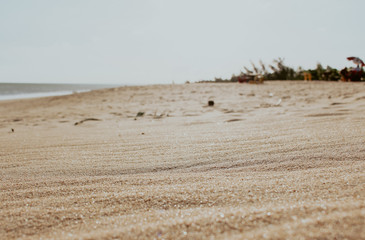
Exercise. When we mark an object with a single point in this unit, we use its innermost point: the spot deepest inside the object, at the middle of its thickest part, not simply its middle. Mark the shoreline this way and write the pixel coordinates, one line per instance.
(10, 91)
(39, 95)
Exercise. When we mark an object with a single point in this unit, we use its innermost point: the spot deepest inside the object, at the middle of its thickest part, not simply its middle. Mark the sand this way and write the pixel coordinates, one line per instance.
(280, 160)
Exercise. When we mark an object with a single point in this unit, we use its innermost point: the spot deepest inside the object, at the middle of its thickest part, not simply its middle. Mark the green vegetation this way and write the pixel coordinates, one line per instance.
(279, 71)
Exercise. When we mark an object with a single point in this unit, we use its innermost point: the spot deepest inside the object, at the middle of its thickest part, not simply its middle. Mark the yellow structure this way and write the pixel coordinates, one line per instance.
(307, 76)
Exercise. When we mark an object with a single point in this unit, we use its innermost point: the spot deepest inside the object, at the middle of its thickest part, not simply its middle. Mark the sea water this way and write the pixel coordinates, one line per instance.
(33, 90)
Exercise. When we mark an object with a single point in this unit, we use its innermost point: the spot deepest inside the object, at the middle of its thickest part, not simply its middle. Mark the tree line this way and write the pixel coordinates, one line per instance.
(279, 71)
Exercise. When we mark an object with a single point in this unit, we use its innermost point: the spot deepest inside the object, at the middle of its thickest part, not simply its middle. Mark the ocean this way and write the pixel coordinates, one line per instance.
(32, 90)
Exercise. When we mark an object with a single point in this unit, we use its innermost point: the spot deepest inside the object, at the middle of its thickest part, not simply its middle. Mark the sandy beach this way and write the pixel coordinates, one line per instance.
(279, 160)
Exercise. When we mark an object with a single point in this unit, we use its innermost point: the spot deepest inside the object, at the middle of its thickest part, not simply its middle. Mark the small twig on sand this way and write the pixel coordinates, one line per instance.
(87, 119)
(139, 114)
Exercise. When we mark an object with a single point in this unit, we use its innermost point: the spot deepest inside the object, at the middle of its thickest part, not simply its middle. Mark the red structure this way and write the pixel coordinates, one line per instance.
(355, 74)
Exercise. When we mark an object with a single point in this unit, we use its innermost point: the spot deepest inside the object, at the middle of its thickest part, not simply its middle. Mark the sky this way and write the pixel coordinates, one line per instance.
(135, 42)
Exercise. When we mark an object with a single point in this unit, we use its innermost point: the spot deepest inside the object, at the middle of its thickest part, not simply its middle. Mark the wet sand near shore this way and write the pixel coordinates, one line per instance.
(283, 159)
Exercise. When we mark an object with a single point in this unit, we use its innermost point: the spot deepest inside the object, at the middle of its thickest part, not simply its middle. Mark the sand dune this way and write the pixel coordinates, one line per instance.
(277, 160)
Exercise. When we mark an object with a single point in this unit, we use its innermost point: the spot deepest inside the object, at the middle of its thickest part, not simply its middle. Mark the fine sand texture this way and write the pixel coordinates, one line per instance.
(279, 160)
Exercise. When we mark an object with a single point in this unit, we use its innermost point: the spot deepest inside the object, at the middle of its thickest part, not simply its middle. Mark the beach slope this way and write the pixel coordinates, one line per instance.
(278, 160)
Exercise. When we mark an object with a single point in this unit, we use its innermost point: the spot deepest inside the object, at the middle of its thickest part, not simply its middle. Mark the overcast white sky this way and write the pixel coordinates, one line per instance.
(161, 41)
